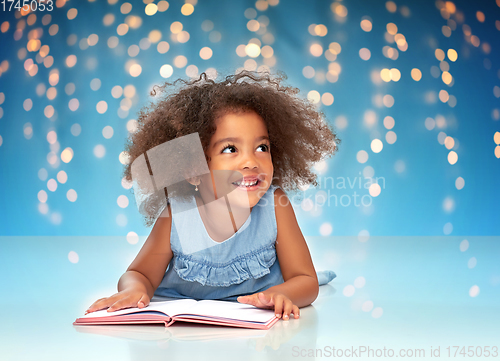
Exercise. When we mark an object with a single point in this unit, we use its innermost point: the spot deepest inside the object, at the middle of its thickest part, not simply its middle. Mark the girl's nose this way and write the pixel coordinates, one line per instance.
(249, 161)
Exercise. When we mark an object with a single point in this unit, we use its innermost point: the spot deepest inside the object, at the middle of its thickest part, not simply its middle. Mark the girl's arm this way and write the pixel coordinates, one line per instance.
(138, 284)
(301, 283)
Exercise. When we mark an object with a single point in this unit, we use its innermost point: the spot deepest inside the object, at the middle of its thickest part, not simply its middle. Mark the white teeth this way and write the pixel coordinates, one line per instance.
(247, 183)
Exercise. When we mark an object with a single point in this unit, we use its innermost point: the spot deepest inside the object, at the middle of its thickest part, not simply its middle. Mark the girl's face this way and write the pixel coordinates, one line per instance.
(241, 146)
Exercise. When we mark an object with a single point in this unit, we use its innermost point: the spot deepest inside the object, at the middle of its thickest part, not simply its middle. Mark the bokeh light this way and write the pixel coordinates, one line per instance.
(391, 137)
(206, 53)
(364, 54)
(362, 156)
(62, 177)
(71, 195)
(99, 151)
(326, 229)
(452, 157)
(166, 71)
(374, 190)
(132, 238)
(366, 25)
(474, 291)
(67, 155)
(377, 312)
(73, 257)
(180, 61)
(151, 9)
(376, 145)
(349, 290)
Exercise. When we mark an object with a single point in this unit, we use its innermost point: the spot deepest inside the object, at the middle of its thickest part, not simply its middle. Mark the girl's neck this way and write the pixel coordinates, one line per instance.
(219, 221)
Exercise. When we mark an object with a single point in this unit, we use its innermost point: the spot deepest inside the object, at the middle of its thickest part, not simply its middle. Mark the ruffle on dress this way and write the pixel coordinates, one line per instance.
(242, 268)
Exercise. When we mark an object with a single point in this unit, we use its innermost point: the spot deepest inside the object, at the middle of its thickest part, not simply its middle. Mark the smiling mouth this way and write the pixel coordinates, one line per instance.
(249, 183)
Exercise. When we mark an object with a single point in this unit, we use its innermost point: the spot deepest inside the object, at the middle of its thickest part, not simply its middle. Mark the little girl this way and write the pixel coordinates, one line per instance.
(227, 232)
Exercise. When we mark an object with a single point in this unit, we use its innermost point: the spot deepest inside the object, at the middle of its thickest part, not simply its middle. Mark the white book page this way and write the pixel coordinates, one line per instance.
(233, 310)
(169, 308)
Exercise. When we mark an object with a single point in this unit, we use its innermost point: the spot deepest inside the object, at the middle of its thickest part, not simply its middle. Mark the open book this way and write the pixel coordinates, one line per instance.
(180, 332)
(167, 312)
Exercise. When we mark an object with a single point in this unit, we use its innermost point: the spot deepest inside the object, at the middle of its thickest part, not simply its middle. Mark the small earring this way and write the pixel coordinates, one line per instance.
(196, 189)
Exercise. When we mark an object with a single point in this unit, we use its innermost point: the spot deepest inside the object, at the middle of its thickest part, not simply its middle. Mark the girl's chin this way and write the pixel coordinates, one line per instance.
(248, 197)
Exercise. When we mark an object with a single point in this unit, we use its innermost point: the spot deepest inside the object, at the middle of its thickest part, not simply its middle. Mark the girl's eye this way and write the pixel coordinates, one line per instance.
(264, 147)
(229, 149)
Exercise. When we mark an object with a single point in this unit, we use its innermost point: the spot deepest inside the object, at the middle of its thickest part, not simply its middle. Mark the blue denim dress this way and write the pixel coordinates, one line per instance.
(243, 264)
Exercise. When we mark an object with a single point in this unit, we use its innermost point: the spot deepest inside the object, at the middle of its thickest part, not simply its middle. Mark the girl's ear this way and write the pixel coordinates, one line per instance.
(194, 181)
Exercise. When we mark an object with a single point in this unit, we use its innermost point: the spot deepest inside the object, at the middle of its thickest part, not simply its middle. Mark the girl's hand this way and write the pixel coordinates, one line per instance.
(281, 304)
(120, 300)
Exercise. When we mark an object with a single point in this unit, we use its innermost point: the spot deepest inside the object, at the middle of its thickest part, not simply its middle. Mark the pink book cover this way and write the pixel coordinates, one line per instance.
(212, 312)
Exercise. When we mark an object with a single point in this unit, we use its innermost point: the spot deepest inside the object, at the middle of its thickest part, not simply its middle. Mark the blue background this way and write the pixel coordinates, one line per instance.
(410, 203)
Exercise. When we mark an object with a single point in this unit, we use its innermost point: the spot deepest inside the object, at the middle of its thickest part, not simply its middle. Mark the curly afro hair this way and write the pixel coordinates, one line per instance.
(298, 132)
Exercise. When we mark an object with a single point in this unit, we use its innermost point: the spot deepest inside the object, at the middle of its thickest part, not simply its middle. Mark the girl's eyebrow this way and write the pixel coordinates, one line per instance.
(236, 140)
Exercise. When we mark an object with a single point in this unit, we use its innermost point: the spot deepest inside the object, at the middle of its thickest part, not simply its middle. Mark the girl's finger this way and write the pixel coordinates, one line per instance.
(278, 306)
(100, 304)
(143, 302)
(250, 300)
(287, 309)
(123, 303)
(95, 303)
(99, 300)
(265, 300)
(296, 312)
(242, 299)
